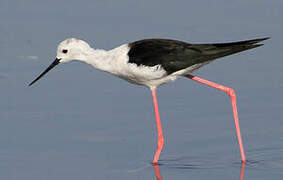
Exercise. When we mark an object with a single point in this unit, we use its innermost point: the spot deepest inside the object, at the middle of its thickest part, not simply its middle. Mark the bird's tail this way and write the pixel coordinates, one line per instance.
(248, 44)
(218, 50)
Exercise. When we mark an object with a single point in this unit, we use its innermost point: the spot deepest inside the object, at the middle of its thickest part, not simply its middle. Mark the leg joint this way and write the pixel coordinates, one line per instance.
(231, 92)
(160, 143)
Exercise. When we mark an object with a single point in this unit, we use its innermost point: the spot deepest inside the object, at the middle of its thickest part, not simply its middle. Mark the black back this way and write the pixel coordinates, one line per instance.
(175, 55)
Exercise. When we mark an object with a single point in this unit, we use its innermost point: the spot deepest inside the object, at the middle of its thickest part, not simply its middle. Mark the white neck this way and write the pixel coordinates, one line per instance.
(103, 60)
(98, 58)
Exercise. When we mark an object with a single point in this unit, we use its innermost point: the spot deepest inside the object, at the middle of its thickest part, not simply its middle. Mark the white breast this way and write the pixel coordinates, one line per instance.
(142, 75)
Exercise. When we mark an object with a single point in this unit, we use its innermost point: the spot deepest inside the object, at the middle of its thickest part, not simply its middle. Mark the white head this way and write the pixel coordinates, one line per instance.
(68, 50)
(72, 49)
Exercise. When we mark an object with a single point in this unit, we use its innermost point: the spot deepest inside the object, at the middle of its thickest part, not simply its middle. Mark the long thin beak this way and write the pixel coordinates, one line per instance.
(52, 65)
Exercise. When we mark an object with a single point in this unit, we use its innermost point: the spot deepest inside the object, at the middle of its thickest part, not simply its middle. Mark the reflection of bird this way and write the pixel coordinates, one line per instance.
(153, 62)
(159, 177)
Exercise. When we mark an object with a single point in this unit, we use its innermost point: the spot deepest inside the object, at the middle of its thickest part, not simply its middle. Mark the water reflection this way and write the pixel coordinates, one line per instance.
(159, 177)
(157, 172)
(242, 171)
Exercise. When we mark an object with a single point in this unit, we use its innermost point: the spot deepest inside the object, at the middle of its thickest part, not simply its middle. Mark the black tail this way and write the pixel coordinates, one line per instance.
(244, 44)
(209, 52)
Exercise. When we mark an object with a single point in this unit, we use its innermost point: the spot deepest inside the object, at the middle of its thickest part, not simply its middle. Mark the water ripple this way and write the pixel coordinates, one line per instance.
(270, 159)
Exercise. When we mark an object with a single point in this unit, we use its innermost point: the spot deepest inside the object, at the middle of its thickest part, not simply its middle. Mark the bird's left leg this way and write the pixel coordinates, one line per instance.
(232, 95)
(160, 141)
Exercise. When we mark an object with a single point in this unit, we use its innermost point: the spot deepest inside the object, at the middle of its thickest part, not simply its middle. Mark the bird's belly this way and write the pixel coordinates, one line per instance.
(151, 83)
(144, 75)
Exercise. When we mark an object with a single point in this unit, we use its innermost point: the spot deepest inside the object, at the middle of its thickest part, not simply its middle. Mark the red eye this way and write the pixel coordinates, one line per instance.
(64, 51)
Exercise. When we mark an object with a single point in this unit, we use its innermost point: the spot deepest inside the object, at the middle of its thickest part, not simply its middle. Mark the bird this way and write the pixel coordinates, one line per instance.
(154, 62)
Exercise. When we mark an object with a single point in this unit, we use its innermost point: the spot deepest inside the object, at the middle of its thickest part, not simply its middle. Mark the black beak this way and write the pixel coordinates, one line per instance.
(57, 61)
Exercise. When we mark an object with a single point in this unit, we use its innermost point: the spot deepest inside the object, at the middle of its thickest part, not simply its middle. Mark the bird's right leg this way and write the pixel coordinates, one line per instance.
(232, 95)
(160, 141)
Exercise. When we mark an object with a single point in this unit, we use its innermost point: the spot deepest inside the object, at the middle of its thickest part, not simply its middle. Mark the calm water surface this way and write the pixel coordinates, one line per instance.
(79, 123)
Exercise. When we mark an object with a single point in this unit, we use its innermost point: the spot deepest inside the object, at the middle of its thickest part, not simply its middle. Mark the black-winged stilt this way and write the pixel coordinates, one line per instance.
(153, 62)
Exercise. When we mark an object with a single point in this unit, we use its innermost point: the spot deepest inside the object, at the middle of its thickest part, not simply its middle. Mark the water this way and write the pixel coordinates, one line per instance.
(79, 123)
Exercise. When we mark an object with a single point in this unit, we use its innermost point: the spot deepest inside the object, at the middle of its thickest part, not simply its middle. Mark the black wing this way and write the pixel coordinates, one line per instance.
(175, 55)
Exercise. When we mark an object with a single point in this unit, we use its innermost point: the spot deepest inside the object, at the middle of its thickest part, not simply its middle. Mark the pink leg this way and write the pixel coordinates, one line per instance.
(232, 95)
(160, 141)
